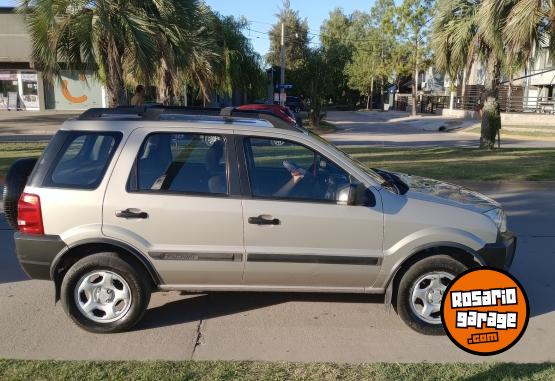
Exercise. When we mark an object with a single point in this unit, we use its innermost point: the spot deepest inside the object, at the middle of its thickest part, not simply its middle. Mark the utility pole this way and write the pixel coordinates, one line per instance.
(282, 64)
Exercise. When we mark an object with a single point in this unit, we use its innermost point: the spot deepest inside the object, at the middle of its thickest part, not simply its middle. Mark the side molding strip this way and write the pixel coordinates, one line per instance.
(184, 256)
(321, 259)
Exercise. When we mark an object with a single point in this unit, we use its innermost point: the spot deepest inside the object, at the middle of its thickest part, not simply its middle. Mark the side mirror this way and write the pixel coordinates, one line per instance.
(356, 195)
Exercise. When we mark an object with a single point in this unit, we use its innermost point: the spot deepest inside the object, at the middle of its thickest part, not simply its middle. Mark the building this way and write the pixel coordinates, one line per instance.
(22, 86)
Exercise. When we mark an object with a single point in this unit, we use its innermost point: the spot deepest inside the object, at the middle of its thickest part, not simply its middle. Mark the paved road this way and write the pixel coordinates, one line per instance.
(294, 327)
(383, 129)
(394, 129)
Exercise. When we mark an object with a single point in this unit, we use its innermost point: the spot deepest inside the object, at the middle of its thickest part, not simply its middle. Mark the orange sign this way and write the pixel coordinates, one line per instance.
(485, 311)
(67, 95)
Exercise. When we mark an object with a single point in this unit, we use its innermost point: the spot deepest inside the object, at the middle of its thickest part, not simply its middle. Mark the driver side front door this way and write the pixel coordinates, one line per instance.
(304, 238)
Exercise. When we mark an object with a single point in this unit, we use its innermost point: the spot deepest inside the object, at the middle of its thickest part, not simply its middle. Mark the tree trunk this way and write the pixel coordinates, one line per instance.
(369, 106)
(382, 94)
(315, 110)
(115, 86)
(415, 78)
(166, 90)
(491, 119)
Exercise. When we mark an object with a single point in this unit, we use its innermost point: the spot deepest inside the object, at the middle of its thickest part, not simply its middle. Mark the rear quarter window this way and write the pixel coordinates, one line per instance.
(82, 160)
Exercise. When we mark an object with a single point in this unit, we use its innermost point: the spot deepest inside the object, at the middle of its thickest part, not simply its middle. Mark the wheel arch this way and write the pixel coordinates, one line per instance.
(459, 252)
(81, 249)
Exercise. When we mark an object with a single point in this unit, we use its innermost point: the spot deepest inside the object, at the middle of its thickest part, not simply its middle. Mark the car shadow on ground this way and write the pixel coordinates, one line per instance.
(197, 307)
(10, 270)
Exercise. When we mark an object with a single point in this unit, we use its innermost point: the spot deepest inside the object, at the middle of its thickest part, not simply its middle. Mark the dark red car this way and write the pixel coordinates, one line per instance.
(281, 112)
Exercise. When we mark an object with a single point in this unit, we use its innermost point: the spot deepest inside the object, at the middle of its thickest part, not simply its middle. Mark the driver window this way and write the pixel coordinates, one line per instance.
(283, 169)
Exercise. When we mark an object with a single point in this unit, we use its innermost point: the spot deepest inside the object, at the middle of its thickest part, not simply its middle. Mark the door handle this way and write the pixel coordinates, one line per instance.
(132, 213)
(264, 220)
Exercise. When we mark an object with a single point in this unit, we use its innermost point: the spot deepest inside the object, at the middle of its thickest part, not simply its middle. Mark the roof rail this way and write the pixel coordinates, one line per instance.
(154, 113)
(97, 113)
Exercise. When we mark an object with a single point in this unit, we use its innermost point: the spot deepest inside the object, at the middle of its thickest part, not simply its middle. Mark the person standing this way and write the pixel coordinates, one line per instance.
(138, 98)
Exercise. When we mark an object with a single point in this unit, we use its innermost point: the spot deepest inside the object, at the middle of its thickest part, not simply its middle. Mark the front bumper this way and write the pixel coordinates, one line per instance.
(36, 253)
(501, 253)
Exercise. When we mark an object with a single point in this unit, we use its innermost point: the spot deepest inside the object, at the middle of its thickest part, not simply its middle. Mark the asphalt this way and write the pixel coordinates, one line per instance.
(279, 327)
(396, 129)
(379, 129)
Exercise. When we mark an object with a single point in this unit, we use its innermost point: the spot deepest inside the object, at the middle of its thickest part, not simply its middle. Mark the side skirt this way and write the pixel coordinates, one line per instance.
(262, 288)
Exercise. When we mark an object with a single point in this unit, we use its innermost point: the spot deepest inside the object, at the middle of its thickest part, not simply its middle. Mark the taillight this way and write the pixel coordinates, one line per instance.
(29, 216)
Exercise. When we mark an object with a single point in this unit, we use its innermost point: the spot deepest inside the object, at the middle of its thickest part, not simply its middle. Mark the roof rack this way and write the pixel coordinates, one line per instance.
(155, 113)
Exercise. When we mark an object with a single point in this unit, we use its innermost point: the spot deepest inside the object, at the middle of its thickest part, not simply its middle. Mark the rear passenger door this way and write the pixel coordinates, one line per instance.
(174, 195)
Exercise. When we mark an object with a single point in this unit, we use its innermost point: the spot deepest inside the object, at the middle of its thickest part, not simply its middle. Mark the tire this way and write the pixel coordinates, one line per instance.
(423, 282)
(16, 179)
(85, 273)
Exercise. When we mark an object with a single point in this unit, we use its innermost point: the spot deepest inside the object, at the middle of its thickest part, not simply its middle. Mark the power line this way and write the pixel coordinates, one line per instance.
(341, 39)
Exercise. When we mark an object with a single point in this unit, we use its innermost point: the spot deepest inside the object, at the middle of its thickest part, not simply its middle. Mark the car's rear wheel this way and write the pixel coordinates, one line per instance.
(102, 293)
(421, 290)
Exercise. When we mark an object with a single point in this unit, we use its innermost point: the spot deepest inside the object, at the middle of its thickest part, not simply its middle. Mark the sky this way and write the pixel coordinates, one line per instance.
(261, 14)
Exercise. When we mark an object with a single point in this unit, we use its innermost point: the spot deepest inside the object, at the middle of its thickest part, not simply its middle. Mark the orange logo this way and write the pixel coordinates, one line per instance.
(485, 311)
(67, 95)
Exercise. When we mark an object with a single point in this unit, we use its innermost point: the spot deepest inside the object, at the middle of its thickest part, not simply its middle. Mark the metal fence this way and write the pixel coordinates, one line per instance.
(540, 105)
(432, 104)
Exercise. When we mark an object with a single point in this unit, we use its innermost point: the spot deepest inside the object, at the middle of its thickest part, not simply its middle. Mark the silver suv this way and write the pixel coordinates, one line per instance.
(123, 203)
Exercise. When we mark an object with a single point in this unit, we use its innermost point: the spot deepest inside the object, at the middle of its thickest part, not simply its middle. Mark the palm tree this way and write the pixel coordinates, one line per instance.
(240, 66)
(465, 30)
(452, 34)
(502, 34)
(112, 38)
(187, 44)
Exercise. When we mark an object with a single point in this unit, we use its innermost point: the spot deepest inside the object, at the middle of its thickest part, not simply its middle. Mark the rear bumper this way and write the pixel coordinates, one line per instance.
(501, 253)
(35, 253)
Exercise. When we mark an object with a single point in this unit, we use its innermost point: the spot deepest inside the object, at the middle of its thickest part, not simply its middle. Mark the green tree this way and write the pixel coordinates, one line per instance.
(184, 44)
(364, 69)
(382, 16)
(296, 38)
(453, 31)
(240, 66)
(412, 20)
(314, 77)
(339, 50)
(104, 36)
(502, 35)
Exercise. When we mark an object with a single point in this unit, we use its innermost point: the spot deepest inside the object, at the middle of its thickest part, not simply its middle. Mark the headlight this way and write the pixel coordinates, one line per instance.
(499, 219)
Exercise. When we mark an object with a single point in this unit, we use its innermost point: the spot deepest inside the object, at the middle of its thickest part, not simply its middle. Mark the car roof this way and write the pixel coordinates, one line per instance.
(127, 119)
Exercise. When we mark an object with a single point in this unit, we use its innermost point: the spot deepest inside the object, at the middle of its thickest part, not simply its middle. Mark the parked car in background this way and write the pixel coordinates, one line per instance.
(282, 112)
(294, 103)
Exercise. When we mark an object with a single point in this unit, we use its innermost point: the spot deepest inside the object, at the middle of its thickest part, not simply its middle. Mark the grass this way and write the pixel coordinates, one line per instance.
(532, 164)
(247, 370)
(520, 131)
(324, 127)
(505, 164)
(10, 152)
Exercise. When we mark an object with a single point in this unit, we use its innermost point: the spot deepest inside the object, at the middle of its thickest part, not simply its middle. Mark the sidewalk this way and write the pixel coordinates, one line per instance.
(14, 124)
(422, 122)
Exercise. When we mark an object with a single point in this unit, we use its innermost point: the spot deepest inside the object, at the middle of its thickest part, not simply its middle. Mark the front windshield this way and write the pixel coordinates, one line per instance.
(360, 165)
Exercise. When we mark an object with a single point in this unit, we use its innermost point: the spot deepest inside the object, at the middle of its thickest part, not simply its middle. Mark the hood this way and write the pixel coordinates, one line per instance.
(439, 191)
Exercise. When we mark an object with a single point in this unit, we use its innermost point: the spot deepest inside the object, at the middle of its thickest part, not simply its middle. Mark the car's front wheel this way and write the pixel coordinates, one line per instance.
(103, 293)
(421, 290)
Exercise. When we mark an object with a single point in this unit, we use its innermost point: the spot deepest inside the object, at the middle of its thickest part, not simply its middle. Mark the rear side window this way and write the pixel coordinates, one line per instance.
(83, 160)
(183, 163)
